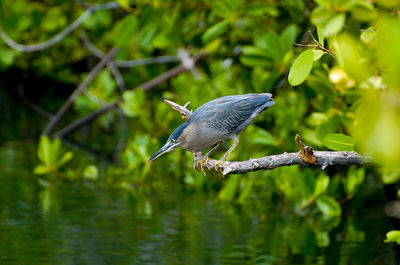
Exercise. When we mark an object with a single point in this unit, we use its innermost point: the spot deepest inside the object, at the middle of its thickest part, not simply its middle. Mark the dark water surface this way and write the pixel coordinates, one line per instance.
(88, 224)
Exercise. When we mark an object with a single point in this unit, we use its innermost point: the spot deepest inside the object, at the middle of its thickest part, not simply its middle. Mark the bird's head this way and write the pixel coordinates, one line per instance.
(172, 143)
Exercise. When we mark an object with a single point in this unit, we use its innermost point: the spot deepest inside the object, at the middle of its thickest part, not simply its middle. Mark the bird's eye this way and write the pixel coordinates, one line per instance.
(172, 140)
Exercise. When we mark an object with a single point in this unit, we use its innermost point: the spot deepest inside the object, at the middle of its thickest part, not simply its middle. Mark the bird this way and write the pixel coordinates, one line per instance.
(215, 121)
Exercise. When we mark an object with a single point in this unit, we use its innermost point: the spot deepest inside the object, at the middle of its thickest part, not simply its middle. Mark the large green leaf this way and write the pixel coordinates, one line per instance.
(338, 142)
(301, 68)
(253, 56)
(334, 25)
(215, 31)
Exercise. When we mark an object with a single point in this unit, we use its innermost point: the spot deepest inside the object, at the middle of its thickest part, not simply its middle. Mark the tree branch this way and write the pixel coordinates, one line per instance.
(323, 159)
(96, 70)
(60, 36)
(306, 156)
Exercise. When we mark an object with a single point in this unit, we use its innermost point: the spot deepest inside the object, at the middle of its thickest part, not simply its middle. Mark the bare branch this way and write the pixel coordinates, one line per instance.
(96, 70)
(181, 109)
(46, 44)
(117, 75)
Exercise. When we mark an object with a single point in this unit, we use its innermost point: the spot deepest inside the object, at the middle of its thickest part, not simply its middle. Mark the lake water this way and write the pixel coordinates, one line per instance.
(87, 223)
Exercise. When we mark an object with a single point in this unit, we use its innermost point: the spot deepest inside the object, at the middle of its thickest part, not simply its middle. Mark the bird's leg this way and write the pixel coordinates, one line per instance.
(199, 164)
(212, 151)
(235, 143)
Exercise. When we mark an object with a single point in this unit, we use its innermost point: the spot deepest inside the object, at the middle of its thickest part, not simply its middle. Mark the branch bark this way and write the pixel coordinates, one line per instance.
(323, 159)
(306, 156)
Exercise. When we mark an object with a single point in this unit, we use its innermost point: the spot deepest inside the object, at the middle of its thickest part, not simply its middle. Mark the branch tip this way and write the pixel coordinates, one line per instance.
(181, 109)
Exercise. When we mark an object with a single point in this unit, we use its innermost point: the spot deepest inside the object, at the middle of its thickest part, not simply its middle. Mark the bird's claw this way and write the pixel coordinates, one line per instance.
(217, 168)
(199, 165)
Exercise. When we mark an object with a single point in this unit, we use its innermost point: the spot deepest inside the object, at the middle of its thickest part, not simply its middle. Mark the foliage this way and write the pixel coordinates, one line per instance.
(339, 90)
(393, 236)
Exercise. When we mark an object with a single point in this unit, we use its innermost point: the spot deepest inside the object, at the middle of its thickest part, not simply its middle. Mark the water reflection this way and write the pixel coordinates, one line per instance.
(86, 223)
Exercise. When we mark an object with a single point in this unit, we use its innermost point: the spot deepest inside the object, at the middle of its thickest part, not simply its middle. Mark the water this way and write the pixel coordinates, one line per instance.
(90, 224)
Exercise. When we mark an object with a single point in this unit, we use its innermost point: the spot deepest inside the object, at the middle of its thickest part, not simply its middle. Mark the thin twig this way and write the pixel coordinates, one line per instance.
(96, 70)
(60, 36)
(316, 45)
(117, 75)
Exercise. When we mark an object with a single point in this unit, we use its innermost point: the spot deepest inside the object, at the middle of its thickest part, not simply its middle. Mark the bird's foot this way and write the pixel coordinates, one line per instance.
(199, 165)
(217, 168)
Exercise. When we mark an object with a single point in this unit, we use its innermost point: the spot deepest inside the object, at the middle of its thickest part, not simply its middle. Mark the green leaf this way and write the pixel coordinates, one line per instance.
(320, 32)
(246, 191)
(45, 150)
(287, 37)
(233, 4)
(338, 142)
(253, 56)
(334, 25)
(229, 191)
(328, 206)
(215, 31)
(263, 137)
(45, 198)
(133, 102)
(220, 9)
(271, 44)
(125, 4)
(320, 16)
(41, 170)
(91, 172)
(125, 30)
(321, 84)
(317, 54)
(7, 56)
(301, 68)
(354, 179)
(351, 57)
(67, 156)
(364, 11)
(321, 185)
(393, 236)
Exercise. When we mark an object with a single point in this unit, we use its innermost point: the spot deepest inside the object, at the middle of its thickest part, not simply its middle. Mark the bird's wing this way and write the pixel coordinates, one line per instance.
(227, 113)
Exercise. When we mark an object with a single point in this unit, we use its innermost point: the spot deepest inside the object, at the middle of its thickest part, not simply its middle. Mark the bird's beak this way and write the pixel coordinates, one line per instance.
(168, 147)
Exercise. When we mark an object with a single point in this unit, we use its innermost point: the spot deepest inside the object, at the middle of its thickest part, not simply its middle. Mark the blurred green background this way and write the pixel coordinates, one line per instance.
(92, 198)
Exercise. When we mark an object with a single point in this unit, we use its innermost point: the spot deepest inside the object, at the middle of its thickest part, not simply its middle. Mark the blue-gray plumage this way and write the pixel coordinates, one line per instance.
(215, 121)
